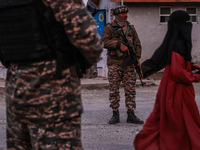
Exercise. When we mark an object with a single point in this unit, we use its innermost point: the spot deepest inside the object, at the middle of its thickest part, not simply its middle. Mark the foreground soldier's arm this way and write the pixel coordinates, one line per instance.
(80, 27)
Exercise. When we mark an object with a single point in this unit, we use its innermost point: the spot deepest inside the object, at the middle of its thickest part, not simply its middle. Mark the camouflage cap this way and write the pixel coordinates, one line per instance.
(120, 9)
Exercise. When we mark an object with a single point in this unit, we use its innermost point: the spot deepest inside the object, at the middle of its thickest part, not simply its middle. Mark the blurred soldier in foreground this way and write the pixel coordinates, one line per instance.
(118, 71)
(46, 46)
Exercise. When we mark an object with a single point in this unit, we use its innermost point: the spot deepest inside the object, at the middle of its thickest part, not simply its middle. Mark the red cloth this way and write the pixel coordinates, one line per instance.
(174, 123)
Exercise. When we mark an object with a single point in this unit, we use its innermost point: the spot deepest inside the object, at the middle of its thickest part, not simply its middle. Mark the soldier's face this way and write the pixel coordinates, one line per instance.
(123, 15)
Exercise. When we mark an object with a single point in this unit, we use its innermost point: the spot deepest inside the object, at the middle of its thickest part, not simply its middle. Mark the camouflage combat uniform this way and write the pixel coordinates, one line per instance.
(115, 59)
(44, 112)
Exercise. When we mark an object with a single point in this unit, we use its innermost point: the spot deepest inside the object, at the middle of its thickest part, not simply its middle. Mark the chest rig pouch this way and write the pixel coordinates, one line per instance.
(22, 33)
(115, 36)
(29, 32)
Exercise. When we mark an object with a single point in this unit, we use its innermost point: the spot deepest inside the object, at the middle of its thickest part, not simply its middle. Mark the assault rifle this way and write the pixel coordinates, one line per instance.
(132, 56)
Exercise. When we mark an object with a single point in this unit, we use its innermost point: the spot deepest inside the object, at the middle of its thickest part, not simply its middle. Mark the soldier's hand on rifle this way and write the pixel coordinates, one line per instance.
(124, 48)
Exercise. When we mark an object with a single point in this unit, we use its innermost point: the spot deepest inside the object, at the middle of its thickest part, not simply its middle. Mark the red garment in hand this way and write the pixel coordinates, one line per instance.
(174, 123)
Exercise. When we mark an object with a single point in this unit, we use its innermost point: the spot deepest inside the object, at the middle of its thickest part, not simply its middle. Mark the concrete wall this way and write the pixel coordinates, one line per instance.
(151, 33)
(146, 21)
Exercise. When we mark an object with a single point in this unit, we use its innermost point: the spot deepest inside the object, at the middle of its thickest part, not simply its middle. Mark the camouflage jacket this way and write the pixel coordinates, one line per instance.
(80, 27)
(33, 94)
(112, 42)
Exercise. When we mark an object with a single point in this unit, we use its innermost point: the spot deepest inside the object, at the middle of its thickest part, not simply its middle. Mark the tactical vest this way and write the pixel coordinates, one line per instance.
(29, 32)
(117, 53)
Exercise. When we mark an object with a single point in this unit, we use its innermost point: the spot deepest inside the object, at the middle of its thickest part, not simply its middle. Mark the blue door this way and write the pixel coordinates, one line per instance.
(100, 18)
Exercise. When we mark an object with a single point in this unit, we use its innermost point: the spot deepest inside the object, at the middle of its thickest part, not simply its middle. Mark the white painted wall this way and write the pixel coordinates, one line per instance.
(85, 2)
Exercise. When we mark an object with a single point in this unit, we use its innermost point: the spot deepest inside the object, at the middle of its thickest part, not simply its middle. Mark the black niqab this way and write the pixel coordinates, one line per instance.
(177, 38)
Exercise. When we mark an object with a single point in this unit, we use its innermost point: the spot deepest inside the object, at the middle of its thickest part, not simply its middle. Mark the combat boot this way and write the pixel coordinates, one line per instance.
(115, 118)
(132, 118)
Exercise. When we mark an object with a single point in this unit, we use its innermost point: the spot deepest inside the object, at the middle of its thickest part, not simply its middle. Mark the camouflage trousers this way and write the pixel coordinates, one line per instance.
(127, 75)
(43, 112)
(65, 135)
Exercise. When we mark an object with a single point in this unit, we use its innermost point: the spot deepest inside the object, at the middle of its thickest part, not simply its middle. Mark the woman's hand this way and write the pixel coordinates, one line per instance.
(195, 66)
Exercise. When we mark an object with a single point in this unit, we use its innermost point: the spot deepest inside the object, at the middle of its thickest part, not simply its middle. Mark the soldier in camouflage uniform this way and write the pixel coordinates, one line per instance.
(117, 52)
(44, 112)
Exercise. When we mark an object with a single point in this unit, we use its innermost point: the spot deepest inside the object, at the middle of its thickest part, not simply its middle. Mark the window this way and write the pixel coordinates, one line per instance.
(164, 14)
(192, 11)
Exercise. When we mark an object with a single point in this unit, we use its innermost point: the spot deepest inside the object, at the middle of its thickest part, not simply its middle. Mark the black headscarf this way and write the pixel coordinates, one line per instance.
(177, 38)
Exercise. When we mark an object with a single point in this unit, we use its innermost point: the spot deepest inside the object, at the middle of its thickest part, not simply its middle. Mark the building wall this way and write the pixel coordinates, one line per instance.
(151, 33)
(146, 21)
